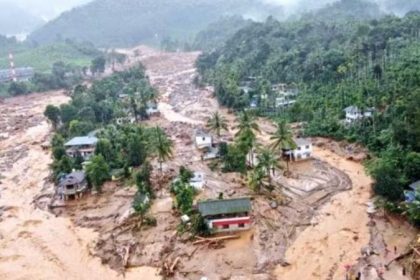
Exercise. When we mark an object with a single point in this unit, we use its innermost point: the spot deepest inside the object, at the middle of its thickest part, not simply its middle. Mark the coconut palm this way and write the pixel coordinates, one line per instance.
(267, 161)
(256, 179)
(283, 140)
(217, 123)
(247, 129)
(163, 146)
(247, 123)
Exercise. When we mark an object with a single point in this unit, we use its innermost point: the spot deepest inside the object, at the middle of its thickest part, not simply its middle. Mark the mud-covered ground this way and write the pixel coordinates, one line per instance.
(185, 108)
(320, 223)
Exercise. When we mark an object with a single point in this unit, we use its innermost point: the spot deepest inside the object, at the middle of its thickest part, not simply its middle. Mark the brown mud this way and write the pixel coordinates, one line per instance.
(309, 227)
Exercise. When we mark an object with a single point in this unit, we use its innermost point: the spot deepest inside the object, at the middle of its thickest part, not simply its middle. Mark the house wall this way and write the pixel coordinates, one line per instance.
(203, 142)
(229, 224)
(86, 152)
(303, 152)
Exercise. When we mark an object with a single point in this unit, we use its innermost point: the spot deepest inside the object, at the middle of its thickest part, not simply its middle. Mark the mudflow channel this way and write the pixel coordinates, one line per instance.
(318, 225)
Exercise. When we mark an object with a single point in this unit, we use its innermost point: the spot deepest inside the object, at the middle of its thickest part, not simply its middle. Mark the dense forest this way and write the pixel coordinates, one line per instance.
(372, 63)
(110, 23)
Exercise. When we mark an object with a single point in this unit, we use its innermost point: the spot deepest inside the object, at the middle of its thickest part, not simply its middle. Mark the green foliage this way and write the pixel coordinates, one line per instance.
(267, 161)
(162, 146)
(217, 123)
(98, 172)
(234, 160)
(185, 174)
(184, 198)
(143, 181)
(336, 57)
(62, 165)
(42, 58)
(18, 88)
(412, 209)
(388, 182)
(98, 65)
(136, 150)
(199, 225)
(141, 204)
(256, 179)
(53, 114)
(104, 148)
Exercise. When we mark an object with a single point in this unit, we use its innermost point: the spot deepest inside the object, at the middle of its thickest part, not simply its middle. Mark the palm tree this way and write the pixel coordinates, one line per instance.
(283, 140)
(256, 179)
(163, 146)
(267, 161)
(247, 123)
(247, 129)
(217, 123)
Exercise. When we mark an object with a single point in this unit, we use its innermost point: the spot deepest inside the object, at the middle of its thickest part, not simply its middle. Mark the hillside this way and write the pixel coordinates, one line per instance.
(371, 64)
(110, 23)
(218, 32)
(42, 58)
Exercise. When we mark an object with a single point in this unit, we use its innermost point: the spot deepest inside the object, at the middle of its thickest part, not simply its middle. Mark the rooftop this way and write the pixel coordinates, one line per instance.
(302, 142)
(76, 177)
(224, 206)
(80, 141)
(201, 133)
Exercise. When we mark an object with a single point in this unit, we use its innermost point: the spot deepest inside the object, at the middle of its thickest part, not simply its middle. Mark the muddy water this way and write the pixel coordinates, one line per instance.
(34, 244)
(341, 230)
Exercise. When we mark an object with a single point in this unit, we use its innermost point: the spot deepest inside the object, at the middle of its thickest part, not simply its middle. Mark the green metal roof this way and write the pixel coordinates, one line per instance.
(224, 206)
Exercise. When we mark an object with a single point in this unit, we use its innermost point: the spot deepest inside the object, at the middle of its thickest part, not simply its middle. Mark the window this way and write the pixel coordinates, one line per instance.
(225, 226)
(241, 225)
(299, 148)
(307, 146)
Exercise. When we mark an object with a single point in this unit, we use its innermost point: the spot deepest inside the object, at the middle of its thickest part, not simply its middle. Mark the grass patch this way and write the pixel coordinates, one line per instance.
(43, 57)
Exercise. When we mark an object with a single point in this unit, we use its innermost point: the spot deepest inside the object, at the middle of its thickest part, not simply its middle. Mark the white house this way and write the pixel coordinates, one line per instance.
(203, 140)
(152, 109)
(125, 120)
(353, 113)
(85, 146)
(303, 150)
(198, 181)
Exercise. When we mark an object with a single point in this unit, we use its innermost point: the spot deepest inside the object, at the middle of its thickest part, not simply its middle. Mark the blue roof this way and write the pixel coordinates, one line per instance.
(80, 141)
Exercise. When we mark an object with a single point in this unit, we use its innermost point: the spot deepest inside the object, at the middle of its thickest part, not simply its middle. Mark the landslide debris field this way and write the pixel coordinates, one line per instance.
(313, 224)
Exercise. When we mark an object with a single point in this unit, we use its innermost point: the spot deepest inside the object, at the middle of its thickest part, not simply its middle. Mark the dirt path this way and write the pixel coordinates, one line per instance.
(35, 244)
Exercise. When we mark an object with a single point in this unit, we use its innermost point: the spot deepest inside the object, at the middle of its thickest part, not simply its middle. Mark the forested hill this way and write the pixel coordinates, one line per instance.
(127, 22)
(334, 64)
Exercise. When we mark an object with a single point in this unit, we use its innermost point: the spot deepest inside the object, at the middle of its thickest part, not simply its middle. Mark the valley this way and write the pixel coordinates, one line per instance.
(308, 235)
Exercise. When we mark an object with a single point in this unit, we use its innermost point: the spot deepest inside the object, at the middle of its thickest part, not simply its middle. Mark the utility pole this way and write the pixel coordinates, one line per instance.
(12, 68)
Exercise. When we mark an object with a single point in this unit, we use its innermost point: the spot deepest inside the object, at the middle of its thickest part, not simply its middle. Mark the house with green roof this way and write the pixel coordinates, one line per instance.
(226, 215)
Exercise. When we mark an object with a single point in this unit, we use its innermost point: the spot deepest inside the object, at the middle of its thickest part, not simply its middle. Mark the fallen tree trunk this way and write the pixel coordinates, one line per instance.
(399, 257)
(214, 239)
